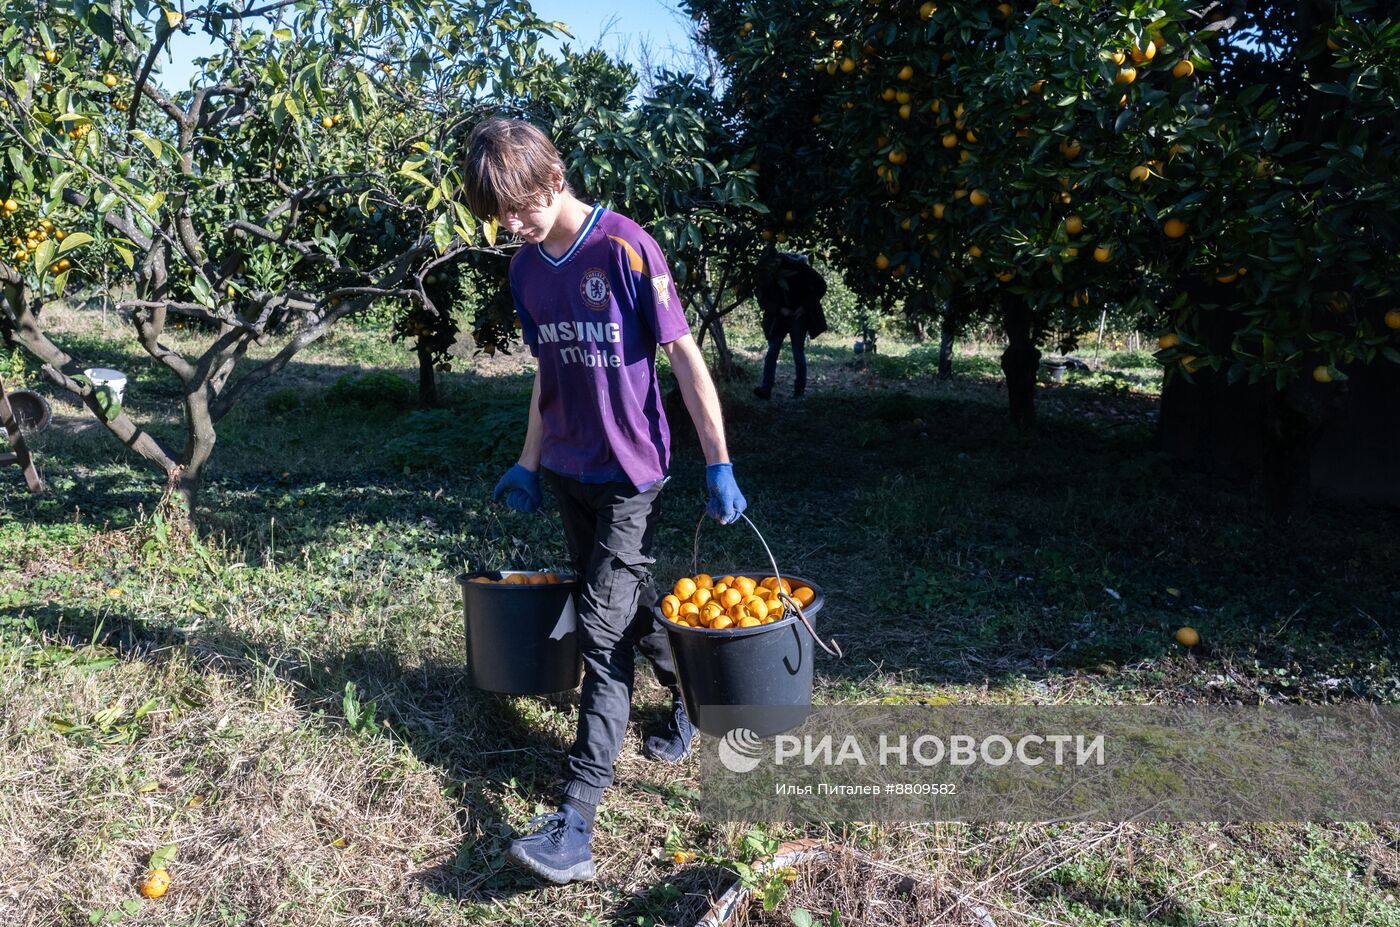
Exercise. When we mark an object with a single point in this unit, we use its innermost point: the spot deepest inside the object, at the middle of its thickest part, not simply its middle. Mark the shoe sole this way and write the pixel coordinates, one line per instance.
(579, 872)
(652, 755)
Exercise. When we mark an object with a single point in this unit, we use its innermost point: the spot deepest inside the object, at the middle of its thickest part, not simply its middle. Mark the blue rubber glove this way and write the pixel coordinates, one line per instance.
(726, 502)
(523, 487)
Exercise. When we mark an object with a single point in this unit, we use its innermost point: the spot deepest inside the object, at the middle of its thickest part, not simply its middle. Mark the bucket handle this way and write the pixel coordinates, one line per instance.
(834, 649)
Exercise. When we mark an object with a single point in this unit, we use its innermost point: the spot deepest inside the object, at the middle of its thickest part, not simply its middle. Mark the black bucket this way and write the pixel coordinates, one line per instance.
(758, 678)
(521, 640)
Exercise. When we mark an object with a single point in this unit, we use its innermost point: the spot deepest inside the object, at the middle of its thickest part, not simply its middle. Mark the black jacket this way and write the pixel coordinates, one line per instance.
(790, 294)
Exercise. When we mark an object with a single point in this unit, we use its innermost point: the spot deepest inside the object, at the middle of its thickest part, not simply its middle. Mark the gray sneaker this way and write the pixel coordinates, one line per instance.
(561, 850)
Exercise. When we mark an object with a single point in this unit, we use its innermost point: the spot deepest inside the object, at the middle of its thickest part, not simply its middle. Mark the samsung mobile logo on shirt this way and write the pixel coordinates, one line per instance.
(595, 333)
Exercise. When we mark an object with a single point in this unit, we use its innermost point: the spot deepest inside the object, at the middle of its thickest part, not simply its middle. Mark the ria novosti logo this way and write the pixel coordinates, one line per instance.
(742, 750)
(739, 750)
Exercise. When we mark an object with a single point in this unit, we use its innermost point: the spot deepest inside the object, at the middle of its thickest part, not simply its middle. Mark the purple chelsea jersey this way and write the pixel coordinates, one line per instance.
(593, 318)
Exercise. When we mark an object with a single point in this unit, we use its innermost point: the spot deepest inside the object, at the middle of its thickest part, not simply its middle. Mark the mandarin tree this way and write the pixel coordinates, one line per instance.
(308, 171)
(1007, 161)
(1031, 164)
(1293, 289)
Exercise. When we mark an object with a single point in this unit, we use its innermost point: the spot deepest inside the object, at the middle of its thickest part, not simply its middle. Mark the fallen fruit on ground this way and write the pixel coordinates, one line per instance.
(156, 883)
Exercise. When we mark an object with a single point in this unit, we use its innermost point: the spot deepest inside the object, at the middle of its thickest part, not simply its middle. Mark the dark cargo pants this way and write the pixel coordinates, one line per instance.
(609, 528)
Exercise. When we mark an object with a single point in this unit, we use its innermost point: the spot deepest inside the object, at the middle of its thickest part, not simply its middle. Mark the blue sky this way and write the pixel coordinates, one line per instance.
(621, 27)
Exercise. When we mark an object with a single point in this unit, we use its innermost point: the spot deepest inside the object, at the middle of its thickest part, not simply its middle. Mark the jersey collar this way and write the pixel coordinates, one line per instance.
(588, 224)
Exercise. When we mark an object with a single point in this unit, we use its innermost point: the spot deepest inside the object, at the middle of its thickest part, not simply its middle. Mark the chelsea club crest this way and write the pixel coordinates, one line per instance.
(594, 288)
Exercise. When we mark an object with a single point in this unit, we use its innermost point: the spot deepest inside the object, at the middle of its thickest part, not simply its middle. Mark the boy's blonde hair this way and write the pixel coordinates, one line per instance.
(509, 165)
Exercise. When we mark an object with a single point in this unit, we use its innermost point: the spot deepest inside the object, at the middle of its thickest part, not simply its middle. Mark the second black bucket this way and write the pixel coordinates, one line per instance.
(521, 639)
(757, 678)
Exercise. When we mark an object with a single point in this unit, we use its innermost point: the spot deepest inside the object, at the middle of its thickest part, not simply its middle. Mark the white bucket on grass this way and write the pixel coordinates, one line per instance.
(114, 380)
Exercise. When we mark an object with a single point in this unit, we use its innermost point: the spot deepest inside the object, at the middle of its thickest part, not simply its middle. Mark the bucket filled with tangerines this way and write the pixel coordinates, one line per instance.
(521, 631)
(743, 646)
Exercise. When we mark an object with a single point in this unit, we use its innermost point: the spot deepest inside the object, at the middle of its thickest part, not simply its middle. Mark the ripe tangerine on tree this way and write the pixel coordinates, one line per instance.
(1392, 319)
(1169, 340)
(1183, 68)
(1174, 228)
(1126, 76)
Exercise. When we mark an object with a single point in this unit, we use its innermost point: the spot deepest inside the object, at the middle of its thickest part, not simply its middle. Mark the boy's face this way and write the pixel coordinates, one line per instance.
(534, 222)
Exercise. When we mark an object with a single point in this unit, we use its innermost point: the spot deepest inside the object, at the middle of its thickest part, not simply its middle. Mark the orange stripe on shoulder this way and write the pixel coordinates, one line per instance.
(633, 258)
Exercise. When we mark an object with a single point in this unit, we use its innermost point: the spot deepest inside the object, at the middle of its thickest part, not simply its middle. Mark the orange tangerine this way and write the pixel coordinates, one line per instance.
(517, 579)
(687, 609)
(710, 611)
(684, 588)
(727, 580)
(736, 611)
(703, 581)
(156, 883)
(730, 597)
(538, 579)
(756, 607)
(720, 587)
(749, 622)
(722, 622)
(702, 595)
(745, 584)
(775, 606)
(670, 606)
(804, 595)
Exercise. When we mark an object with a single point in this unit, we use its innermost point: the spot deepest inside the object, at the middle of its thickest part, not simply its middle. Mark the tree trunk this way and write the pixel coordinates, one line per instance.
(1020, 360)
(427, 382)
(188, 477)
(728, 370)
(945, 352)
(1293, 424)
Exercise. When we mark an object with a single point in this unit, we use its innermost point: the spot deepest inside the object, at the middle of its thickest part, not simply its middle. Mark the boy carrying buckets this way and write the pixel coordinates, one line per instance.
(595, 297)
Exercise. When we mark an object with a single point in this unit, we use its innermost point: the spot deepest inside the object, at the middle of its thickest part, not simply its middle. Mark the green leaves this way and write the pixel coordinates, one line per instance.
(74, 240)
(153, 145)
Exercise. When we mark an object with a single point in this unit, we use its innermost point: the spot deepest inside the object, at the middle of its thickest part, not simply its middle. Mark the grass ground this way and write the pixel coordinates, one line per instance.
(285, 706)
